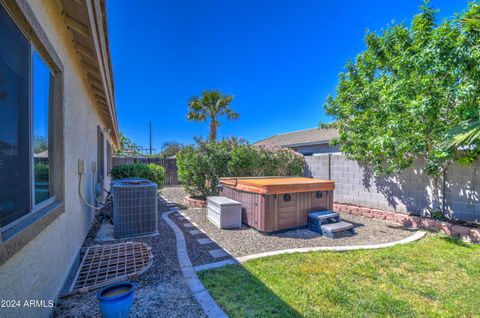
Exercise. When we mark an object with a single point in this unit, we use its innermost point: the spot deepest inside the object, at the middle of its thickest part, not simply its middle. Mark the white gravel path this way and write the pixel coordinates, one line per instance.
(246, 241)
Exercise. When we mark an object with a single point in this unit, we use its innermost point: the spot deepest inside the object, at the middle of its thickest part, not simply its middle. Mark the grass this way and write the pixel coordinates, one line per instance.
(434, 277)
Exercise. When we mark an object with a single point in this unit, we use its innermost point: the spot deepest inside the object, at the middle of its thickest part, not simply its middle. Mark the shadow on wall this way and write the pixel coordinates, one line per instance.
(410, 191)
(404, 192)
(462, 193)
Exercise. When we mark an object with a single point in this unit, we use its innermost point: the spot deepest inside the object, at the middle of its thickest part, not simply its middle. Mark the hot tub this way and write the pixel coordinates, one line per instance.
(272, 204)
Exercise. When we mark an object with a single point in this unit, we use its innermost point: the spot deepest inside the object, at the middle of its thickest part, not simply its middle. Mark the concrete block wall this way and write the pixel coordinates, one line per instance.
(410, 191)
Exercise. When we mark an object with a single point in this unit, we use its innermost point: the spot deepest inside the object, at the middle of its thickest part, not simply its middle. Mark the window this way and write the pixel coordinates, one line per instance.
(26, 95)
(42, 146)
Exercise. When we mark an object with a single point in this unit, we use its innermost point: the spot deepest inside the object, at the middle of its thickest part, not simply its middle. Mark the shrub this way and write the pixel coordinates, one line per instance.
(200, 166)
(41, 171)
(255, 161)
(152, 172)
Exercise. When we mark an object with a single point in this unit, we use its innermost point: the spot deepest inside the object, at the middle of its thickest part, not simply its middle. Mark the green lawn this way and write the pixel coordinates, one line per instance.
(434, 277)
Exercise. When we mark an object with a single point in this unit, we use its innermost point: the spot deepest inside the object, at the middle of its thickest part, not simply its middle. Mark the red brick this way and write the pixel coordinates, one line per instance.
(365, 210)
(460, 230)
(410, 221)
(475, 235)
(379, 215)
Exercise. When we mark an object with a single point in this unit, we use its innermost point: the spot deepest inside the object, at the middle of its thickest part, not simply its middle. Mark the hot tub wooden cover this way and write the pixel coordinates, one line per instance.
(276, 185)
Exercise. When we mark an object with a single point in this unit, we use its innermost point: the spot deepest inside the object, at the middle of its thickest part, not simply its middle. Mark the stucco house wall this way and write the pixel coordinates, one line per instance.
(39, 269)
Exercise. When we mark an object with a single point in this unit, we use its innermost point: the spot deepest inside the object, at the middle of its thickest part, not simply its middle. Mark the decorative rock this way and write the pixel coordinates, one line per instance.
(412, 221)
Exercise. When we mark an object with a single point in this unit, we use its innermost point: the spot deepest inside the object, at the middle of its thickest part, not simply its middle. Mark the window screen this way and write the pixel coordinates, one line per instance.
(14, 121)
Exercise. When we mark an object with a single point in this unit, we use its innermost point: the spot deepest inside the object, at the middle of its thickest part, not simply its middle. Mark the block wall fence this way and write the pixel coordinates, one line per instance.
(409, 192)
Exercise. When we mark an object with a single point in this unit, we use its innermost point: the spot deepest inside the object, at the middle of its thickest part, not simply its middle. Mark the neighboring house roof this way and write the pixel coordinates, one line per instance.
(306, 137)
(87, 23)
(43, 154)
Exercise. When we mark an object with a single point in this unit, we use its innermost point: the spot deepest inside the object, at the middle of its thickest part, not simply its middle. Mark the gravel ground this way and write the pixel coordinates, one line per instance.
(197, 252)
(247, 241)
(161, 290)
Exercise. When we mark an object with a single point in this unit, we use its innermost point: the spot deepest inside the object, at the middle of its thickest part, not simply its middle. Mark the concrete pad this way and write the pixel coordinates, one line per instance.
(105, 232)
(217, 253)
(204, 241)
(195, 232)
(219, 264)
(187, 225)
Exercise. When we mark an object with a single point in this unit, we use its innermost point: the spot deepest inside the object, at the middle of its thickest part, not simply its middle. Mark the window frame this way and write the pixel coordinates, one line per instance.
(32, 206)
(51, 141)
(18, 233)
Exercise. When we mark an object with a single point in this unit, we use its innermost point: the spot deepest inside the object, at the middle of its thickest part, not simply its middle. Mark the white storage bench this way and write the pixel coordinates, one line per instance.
(224, 212)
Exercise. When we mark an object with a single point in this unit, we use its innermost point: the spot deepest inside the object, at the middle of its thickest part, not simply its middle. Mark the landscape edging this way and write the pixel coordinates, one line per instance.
(201, 294)
(467, 234)
(195, 202)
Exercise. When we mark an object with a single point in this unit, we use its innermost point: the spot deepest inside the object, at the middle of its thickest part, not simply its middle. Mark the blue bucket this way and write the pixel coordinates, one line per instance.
(116, 300)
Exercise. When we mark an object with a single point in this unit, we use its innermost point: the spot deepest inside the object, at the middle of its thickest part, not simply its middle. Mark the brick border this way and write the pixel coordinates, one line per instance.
(188, 200)
(467, 234)
(201, 294)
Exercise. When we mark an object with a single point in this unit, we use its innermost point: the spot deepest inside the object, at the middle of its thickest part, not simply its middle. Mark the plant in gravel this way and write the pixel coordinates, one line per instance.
(201, 165)
(152, 172)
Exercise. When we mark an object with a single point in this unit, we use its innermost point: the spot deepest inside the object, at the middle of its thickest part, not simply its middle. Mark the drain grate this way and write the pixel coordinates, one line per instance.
(106, 264)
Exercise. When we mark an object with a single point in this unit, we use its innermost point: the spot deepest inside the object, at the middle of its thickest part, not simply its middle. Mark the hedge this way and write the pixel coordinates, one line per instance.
(200, 166)
(152, 172)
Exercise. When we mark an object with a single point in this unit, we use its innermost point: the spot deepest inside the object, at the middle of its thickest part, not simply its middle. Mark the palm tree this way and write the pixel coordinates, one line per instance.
(468, 132)
(209, 107)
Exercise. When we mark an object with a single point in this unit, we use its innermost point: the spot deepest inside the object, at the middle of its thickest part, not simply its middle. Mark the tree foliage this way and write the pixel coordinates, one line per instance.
(468, 133)
(201, 166)
(151, 171)
(398, 99)
(170, 148)
(209, 107)
(127, 147)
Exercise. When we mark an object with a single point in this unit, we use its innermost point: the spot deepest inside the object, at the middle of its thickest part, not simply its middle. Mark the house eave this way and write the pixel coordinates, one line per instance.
(303, 144)
(86, 21)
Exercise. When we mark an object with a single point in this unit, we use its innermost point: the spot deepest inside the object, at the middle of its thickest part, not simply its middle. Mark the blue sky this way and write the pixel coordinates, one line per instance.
(280, 59)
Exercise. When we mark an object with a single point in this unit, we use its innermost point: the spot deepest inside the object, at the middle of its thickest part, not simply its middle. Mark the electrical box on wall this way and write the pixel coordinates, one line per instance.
(81, 166)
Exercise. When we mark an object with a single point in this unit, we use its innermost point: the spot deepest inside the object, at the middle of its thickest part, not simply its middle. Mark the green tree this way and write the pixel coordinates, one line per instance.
(468, 133)
(209, 107)
(40, 144)
(170, 148)
(399, 98)
(127, 147)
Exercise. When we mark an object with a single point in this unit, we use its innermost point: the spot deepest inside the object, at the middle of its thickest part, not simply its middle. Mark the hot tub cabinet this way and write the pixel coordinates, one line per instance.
(278, 203)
